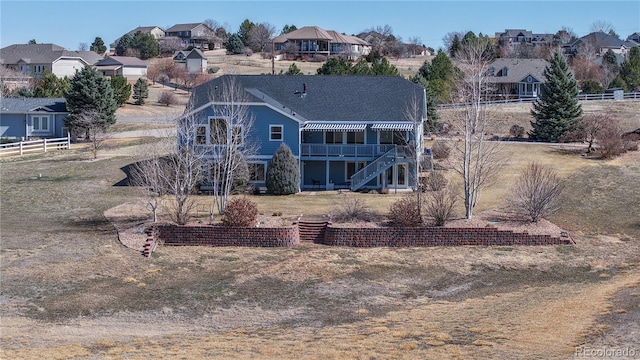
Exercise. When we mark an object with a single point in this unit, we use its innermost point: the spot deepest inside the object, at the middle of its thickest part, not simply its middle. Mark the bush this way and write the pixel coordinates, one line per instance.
(167, 98)
(213, 70)
(435, 181)
(405, 212)
(439, 206)
(440, 150)
(283, 175)
(609, 140)
(240, 212)
(352, 208)
(516, 131)
(536, 192)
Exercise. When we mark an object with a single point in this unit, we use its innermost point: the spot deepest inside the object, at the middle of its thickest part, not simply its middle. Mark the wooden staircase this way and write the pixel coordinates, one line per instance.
(312, 230)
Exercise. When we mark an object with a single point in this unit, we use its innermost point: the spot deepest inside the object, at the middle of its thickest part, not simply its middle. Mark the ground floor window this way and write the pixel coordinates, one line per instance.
(257, 172)
(40, 123)
(353, 168)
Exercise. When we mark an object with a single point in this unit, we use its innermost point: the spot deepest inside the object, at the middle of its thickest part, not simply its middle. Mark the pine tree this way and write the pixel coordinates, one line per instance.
(90, 92)
(283, 175)
(630, 69)
(235, 45)
(140, 91)
(121, 89)
(558, 109)
(51, 86)
(98, 46)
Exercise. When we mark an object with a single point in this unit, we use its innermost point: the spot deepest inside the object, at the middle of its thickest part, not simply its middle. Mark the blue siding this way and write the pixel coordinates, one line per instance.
(15, 125)
(264, 117)
(12, 126)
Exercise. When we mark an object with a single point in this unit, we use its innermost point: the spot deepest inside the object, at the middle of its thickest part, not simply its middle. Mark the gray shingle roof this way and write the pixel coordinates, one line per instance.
(22, 105)
(602, 40)
(183, 27)
(327, 98)
(517, 69)
(122, 60)
(42, 54)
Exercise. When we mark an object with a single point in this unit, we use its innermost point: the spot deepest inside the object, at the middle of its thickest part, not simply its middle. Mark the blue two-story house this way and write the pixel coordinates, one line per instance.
(354, 132)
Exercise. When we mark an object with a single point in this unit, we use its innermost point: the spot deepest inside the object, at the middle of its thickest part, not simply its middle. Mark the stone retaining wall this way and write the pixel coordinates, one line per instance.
(433, 236)
(353, 237)
(228, 236)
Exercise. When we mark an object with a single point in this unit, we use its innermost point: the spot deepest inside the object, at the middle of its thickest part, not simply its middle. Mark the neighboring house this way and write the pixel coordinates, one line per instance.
(194, 61)
(156, 31)
(129, 67)
(635, 38)
(345, 131)
(34, 59)
(23, 118)
(517, 78)
(197, 35)
(312, 40)
(600, 43)
(514, 37)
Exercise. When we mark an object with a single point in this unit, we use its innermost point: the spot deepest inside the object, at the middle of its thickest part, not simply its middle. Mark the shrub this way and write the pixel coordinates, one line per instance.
(405, 212)
(283, 175)
(435, 181)
(167, 98)
(213, 70)
(439, 205)
(536, 192)
(440, 150)
(352, 208)
(240, 212)
(516, 131)
(609, 140)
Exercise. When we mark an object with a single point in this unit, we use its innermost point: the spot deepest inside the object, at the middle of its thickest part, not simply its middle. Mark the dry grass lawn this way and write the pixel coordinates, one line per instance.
(71, 289)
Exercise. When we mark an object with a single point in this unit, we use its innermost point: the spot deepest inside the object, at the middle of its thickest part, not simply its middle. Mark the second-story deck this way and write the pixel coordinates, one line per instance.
(340, 151)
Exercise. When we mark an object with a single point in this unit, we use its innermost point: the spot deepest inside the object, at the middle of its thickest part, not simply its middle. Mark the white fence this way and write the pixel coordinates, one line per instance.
(583, 97)
(42, 145)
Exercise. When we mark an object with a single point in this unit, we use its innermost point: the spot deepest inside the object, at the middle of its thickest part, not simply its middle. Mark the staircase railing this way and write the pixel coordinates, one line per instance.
(376, 167)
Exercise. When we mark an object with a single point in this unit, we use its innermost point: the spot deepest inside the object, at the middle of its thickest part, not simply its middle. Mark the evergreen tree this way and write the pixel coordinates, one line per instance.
(235, 44)
(98, 46)
(90, 92)
(433, 119)
(293, 70)
(630, 69)
(383, 67)
(123, 44)
(455, 46)
(244, 30)
(51, 86)
(335, 66)
(558, 109)
(287, 29)
(140, 91)
(283, 174)
(146, 44)
(121, 89)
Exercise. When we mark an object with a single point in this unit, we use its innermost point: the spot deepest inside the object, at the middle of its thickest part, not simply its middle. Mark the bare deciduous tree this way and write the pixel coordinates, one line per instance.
(440, 205)
(149, 175)
(477, 160)
(83, 46)
(230, 142)
(260, 36)
(167, 98)
(536, 192)
(601, 26)
(185, 162)
(591, 125)
(90, 121)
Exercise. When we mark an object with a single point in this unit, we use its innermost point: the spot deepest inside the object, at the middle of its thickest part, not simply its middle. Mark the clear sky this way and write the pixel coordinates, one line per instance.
(69, 23)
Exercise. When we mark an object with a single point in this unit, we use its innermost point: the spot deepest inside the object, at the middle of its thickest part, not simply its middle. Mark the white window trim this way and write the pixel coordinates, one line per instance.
(271, 127)
(264, 175)
(40, 130)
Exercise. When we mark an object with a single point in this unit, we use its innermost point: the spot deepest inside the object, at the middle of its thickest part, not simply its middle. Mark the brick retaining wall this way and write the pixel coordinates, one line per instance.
(353, 237)
(433, 236)
(228, 236)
